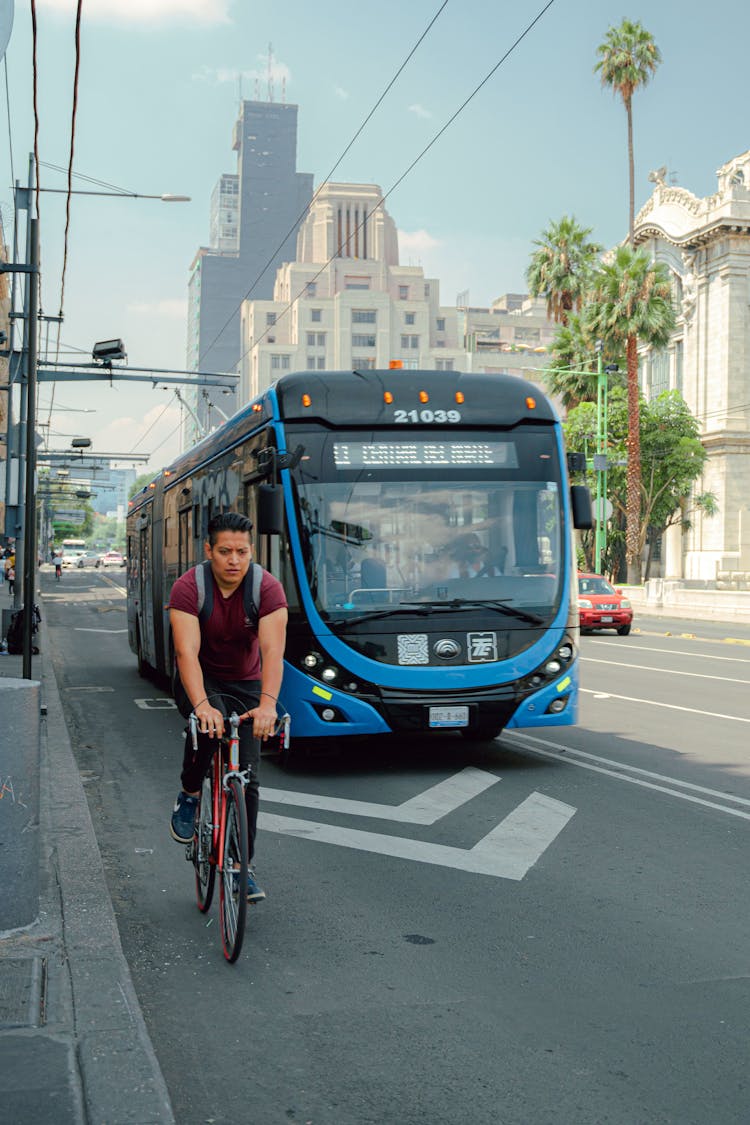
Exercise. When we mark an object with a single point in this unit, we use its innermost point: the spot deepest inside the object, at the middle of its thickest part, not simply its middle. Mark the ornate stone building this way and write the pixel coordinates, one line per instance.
(706, 245)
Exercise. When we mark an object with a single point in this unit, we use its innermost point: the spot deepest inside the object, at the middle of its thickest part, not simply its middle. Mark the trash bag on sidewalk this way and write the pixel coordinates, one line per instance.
(15, 631)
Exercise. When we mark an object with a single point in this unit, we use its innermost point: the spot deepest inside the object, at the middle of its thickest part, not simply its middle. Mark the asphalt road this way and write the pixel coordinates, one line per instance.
(420, 958)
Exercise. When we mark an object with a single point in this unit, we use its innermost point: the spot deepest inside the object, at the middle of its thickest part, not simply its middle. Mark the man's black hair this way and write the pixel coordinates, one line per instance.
(228, 521)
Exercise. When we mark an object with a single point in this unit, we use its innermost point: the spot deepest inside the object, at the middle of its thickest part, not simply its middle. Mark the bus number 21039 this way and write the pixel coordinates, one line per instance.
(428, 416)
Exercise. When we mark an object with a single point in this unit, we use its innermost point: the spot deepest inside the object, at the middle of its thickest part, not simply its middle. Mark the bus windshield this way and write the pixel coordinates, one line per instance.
(391, 520)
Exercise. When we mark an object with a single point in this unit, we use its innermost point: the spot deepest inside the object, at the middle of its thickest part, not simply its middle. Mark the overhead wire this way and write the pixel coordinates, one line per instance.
(306, 209)
(405, 173)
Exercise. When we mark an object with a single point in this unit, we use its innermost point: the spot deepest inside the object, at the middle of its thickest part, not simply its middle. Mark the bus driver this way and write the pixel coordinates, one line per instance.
(226, 655)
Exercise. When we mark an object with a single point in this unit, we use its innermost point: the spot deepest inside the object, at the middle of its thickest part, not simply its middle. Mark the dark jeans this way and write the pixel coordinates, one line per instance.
(226, 696)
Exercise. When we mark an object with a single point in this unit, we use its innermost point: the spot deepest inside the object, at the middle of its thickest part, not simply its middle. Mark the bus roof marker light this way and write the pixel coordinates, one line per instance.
(530, 403)
(306, 400)
(459, 397)
(423, 396)
(387, 396)
(395, 365)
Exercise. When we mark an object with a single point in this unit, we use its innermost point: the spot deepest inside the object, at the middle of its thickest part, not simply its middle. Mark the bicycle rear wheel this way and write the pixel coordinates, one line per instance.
(233, 886)
(203, 858)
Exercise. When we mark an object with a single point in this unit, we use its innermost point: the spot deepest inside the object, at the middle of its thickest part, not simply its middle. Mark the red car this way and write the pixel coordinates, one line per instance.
(601, 606)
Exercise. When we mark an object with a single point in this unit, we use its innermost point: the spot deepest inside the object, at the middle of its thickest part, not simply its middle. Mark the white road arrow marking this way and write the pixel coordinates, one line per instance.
(507, 852)
(425, 808)
(80, 629)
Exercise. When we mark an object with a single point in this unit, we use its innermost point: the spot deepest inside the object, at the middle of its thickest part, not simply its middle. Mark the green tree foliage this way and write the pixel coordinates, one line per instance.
(141, 482)
(672, 459)
(628, 58)
(560, 267)
(631, 301)
(572, 372)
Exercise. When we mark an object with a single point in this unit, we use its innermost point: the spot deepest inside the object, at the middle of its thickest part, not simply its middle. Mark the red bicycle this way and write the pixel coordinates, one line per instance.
(220, 842)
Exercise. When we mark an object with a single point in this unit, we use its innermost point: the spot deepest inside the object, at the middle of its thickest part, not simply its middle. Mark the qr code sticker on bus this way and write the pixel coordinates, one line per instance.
(413, 648)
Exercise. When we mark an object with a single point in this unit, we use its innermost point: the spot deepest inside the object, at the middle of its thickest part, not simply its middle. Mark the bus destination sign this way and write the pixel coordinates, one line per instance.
(424, 454)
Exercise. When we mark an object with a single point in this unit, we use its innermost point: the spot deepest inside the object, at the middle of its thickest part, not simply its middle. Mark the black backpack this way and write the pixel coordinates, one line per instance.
(205, 583)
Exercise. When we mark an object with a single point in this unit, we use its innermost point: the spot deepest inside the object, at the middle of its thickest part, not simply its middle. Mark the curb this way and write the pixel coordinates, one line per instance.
(121, 1080)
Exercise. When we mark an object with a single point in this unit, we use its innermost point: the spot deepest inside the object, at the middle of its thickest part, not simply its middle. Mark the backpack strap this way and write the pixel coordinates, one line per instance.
(204, 582)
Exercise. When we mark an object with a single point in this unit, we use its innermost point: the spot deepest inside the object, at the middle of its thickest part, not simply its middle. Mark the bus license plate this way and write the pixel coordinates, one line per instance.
(449, 716)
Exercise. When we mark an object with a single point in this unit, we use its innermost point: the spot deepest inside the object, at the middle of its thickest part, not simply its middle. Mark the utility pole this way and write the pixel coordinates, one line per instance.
(29, 551)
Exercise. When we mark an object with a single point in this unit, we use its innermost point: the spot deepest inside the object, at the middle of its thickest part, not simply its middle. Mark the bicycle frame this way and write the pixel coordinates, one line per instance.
(225, 765)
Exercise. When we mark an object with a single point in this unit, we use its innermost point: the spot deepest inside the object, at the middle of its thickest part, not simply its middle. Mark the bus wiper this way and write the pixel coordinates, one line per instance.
(500, 605)
(424, 611)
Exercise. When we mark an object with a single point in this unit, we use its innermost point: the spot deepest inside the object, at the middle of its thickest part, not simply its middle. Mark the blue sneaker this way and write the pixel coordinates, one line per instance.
(254, 892)
(183, 818)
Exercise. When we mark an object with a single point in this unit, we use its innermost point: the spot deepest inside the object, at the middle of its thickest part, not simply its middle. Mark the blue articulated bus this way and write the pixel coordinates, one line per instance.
(421, 523)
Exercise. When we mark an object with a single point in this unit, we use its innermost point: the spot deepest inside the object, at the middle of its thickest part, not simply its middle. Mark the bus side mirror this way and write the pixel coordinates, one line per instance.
(270, 509)
(580, 502)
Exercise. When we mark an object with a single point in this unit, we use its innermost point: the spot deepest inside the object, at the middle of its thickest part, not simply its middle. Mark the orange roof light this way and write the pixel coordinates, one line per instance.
(387, 396)
(306, 400)
(396, 364)
(153, 484)
(531, 403)
(459, 397)
(257, 407)
(423, 396)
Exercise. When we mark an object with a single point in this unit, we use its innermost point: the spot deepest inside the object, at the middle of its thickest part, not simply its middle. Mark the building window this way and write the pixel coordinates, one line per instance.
(410, 364)
(356, 283)
(315, 315)
(280, 362)
(426, 290)
(311, 339)
(409, 318)
(360, 341)
(360, 362)
(678, 358)
(403, 292)
(270, 319)
(410, 341)
(311, 288)
(363, 316)
(321, 363)
(659, 373)
(441, 324)
(444, 364)
(311, 363)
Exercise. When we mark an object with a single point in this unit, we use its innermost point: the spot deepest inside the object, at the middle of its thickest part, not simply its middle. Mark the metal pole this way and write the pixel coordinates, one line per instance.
(29, 554)
(601, 493)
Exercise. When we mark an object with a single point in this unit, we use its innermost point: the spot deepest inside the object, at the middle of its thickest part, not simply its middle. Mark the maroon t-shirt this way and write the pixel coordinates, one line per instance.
(229, 646)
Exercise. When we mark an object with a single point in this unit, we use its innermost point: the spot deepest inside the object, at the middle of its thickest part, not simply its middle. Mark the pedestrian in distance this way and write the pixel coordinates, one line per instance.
(57, 562)
(10, 574)
(2, 569)
(221, 652)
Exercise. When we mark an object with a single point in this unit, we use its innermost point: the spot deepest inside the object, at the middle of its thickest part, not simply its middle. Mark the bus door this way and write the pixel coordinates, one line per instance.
(146, 589)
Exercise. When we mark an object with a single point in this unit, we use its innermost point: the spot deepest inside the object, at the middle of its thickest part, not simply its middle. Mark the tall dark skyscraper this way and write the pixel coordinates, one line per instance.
(255, 215)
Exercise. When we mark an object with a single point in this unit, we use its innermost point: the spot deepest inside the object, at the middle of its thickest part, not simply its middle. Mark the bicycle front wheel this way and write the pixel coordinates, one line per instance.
(233, 886)
(204, 860)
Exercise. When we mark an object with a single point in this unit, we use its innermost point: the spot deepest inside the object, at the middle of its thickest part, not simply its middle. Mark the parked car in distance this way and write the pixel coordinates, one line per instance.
(70, 558)
(88, 559)
(602, 606)
(112, 558)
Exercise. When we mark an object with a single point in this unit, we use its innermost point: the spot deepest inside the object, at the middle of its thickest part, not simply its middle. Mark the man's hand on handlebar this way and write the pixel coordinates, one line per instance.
(264, 719)
(210, 720)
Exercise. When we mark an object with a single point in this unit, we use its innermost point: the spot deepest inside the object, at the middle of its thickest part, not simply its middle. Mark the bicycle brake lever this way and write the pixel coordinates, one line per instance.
(193, 724)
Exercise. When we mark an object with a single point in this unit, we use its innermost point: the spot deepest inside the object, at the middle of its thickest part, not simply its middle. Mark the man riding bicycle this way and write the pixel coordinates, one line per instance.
(225, 659)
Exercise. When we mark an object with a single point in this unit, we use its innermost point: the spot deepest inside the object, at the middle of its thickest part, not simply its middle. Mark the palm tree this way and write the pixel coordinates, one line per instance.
(572, 373)
(628, 58)
(561, 266)
(632, 301)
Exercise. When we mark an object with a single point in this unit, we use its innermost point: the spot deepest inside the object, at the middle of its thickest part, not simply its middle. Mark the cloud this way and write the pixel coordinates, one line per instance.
(124, 434)
(145, 11)
(415, 243)
(340, 92)
(169, 308)
(216, 75)
(419, 110)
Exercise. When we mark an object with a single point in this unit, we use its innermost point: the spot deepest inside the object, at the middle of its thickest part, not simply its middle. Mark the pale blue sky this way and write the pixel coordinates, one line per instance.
(158, 96)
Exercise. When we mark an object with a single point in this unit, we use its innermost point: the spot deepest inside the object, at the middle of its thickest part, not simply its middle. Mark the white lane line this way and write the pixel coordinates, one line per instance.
(673, 652)
(618, 775)
(666, 671)
(425, 808)
(81, 629)
(635, 769)
(668, 706)
(507, 851)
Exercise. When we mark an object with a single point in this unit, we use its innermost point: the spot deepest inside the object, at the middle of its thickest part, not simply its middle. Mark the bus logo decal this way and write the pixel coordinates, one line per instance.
(482, 647)
(413, 648)
(446, 648)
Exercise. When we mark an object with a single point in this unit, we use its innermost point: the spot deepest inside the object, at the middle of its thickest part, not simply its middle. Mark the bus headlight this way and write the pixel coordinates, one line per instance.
(312, 660)
(552, 668)
(329, 674)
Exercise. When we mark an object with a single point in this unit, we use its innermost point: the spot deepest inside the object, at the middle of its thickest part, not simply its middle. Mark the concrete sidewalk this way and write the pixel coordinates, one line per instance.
(74, 1048)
